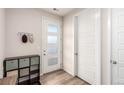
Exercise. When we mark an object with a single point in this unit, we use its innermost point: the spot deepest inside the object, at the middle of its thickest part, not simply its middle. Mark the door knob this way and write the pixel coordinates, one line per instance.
(114, 62)
(44, 54)
(76, 53)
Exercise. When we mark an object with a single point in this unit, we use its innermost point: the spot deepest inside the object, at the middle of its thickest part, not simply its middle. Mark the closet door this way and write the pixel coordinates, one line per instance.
(89, 45)
(117, 46)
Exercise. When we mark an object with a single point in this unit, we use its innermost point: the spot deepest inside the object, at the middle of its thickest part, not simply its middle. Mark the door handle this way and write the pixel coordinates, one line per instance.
(44, 54)
(114, 62)
(75, 53)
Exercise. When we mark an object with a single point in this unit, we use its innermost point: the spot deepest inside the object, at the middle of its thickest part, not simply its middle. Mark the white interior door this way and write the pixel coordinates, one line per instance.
(89, 46)
(118, 46)
(51, 45)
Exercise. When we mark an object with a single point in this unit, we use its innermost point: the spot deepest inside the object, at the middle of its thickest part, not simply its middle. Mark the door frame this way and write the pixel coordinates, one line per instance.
(109, 44)
(109, 21)
(44, 19)
(75, 45)
(98, 45)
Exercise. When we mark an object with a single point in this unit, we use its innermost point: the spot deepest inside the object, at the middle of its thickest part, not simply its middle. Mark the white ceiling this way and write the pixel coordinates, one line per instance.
(59, 11)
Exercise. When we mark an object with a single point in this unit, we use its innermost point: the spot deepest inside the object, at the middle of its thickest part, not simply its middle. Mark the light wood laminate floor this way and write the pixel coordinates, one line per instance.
(61, 77)
(10, 80)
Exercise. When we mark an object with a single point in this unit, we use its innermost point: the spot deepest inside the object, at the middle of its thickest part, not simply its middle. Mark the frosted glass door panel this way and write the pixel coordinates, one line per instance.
(52, 61)
(52, 50)
(52, 28)
(52, 39)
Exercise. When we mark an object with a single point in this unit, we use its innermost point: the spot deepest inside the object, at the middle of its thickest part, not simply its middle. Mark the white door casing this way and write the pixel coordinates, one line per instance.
(51, 57)
(89, 46)
(118, 46)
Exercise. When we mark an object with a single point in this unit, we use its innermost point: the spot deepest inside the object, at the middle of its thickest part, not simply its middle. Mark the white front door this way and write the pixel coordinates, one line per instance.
(118, 46)
(89, 45)
(50, 45)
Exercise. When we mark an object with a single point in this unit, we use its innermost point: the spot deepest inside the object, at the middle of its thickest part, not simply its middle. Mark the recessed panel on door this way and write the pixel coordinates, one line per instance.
(117, 46)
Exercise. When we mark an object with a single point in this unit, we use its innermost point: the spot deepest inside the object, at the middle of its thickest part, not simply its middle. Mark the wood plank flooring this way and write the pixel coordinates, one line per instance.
(10, 80)
(61, 77)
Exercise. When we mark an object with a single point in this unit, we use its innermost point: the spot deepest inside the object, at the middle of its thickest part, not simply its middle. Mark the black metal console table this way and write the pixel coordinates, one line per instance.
(28, 68)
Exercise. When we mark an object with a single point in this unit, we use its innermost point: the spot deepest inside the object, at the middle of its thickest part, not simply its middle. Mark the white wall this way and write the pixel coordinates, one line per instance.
(68, 45)
(106, 44)
(2, 39)
(68, 42)
(24, 20)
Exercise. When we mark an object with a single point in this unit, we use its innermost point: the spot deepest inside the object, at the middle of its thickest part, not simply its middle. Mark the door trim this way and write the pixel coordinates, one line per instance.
(75, 45)
(98, 46)
(110, 44)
